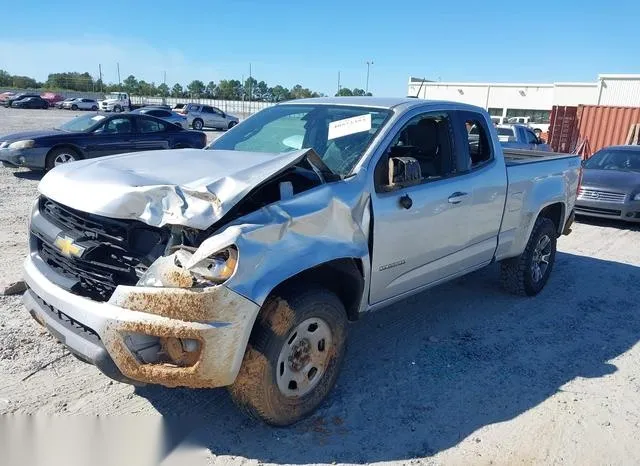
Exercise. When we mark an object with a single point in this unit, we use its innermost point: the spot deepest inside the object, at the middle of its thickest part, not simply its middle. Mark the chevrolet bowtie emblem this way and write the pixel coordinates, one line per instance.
(67, 247)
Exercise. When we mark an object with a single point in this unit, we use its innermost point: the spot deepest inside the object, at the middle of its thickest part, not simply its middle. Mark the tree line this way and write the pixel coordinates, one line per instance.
(225, 89)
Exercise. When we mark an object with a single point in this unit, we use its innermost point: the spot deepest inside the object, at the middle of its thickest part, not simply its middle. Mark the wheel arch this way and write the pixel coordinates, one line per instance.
(344, 277)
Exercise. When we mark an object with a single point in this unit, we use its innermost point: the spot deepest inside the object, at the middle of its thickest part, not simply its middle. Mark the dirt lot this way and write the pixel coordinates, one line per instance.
(462, 374)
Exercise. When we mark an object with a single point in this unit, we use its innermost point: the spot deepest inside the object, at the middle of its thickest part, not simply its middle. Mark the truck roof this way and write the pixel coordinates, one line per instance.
(381, 102)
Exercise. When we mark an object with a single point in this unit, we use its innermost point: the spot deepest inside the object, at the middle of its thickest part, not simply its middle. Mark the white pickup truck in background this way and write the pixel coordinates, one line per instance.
(116, 102)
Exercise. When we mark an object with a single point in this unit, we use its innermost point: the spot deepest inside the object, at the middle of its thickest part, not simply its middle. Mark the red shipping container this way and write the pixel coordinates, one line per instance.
(563, 129)
(605, 126)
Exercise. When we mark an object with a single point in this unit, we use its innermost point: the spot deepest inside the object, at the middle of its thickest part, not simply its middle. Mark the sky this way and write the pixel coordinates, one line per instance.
(290, 42)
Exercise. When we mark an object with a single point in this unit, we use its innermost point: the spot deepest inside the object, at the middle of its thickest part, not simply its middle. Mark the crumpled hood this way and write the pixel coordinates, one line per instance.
(614, 180)
(189, 187)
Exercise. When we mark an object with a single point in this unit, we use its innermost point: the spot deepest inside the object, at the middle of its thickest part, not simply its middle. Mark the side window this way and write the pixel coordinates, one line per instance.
(427, 138)
(478, 140)
(531, 137)
(117, 126)
(206, 109)
(146, 125)
(217, 111)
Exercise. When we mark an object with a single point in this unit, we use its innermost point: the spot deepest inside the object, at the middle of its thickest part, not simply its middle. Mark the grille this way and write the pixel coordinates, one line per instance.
(594, 210)
(602, 196)
(70, 323)
(115, 253)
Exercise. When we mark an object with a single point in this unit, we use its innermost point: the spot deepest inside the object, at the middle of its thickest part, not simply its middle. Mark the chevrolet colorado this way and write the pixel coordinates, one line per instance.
(241, 265)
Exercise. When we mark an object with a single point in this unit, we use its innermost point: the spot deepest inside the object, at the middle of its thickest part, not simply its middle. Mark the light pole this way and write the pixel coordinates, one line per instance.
(369, 63)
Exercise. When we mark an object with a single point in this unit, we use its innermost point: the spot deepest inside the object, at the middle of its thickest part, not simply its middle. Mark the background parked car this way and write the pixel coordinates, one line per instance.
(62, 102)
(115, 102)
(611, 184)
(95, 135)
(166, 115)
(81, 104)
(205, 116)
(22, 95)
(517, 136)
(31, 102)
(6, 95)
(179, 108)
(52, 98)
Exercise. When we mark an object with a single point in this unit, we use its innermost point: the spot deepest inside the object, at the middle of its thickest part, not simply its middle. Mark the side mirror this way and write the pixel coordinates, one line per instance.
(403, 171)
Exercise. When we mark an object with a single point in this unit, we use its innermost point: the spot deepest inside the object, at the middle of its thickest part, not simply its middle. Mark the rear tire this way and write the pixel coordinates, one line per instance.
(94, 108)
(117, 109)
(61, 156)
(293, 357)
(197, 124)
(527, 274)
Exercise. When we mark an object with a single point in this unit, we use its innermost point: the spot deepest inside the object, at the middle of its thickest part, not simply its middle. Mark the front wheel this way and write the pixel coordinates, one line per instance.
(61, 156)
(74, 107)
(94, 108)
(293, 357)
(117, 109)
(231, 124)
(197, 124)
(528, 273)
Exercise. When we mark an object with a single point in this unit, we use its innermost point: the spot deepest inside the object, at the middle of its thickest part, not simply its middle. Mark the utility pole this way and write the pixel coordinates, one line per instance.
(100, 74)
(338, 83)
(119, 83)
(369, 63)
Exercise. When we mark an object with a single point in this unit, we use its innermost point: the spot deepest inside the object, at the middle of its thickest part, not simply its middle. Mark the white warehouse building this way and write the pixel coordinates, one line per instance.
(533, 101)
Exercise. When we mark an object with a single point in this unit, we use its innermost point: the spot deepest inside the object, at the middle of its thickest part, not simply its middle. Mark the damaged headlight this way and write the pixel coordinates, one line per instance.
(178, 270)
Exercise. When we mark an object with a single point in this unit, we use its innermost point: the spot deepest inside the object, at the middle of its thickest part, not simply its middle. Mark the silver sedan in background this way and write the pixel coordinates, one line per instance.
(206, 116)
(611, 184)
(166, 115)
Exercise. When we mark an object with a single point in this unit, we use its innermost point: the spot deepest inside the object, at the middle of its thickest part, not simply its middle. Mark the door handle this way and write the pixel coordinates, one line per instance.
(457, 197)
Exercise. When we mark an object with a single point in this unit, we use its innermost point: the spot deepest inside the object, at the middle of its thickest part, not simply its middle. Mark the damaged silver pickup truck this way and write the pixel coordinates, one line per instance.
(241, 265)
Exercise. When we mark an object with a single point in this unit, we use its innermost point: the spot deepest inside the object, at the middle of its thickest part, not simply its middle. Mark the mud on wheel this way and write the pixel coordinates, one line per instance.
(528, 273)
(293, 357)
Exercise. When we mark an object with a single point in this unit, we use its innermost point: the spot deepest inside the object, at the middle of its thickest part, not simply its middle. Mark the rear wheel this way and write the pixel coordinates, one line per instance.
(94, 108)
(528, 273)
(61, 156)
(197, 124)
(117, 109)
(293, 357)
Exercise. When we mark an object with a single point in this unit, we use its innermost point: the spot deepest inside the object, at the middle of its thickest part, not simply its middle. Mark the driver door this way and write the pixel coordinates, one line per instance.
(420, 232)
(114, 136)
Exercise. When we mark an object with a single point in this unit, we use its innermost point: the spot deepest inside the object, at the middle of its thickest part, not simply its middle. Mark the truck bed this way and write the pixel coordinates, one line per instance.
(514, 157)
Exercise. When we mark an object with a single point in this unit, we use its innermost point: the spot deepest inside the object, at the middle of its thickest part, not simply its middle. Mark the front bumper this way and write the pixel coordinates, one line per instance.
(119, 340)
(629, 211)
(34, 157)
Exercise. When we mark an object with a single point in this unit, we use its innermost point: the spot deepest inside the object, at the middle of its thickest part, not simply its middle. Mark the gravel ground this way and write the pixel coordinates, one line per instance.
(461, 374)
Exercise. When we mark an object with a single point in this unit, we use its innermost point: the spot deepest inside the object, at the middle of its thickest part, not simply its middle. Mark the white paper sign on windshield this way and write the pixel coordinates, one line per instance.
(98, 117)
(357, 124)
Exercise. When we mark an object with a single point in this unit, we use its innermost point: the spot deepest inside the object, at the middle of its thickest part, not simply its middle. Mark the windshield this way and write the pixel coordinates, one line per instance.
(339, 134)
(611, 159)
(82, 123)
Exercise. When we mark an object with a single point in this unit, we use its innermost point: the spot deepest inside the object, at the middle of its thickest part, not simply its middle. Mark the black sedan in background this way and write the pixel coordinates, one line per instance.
(22, 95)
(611, 184)
(94, 135)
(31, 102)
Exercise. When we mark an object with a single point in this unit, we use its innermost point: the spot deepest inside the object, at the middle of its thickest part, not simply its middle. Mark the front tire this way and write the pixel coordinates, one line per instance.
(293, 357)
(527, 274)
(94, 108)
(231, 124)
(117, 109)
(61, 156)
(74, 107)
(197, 124)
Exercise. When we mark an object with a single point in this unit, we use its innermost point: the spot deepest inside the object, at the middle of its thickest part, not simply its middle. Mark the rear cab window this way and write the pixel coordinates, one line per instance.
(476, 139)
